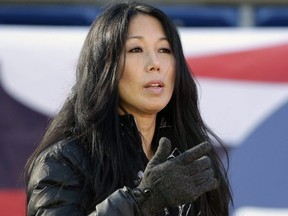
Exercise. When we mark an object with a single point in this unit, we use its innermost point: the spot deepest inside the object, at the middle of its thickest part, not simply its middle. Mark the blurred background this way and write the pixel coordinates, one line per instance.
(237, 50)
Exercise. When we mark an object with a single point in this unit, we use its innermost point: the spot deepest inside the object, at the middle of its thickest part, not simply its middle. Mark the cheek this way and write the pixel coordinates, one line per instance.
(127, 84)
(126, 75)
(173, 75)
(124, 85)
(170, 76)
(172, 82)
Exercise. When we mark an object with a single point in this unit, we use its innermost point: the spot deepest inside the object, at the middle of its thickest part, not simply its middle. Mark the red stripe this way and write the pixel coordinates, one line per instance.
(268, 64)
(12, 202)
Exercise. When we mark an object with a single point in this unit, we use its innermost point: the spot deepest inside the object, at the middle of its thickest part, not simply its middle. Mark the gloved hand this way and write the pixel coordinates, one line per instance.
(179, 180)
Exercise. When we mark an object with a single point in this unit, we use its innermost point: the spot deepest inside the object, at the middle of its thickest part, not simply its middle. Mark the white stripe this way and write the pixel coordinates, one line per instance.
(257, 211)
(233, 109)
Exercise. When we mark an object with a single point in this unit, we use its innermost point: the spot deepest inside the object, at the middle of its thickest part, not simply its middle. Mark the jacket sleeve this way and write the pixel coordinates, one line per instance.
(118, 203)
(60, 185)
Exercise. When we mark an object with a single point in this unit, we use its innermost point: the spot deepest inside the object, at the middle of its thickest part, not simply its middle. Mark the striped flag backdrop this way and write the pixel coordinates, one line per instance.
(243, 87)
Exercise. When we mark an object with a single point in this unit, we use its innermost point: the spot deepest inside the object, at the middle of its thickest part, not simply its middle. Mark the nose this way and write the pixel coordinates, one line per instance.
(153, 63)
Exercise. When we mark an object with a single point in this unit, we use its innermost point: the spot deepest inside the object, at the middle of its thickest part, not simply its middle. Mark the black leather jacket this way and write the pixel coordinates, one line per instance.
(61, 182)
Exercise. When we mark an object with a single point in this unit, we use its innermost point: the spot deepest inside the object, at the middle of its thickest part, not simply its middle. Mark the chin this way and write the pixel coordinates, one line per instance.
(155, 109)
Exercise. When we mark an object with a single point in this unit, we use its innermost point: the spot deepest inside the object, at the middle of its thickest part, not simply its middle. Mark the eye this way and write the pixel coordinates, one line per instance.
(135, 50)
(165, 50)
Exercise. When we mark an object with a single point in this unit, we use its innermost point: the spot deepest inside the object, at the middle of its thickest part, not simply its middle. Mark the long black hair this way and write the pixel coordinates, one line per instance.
(90, 112)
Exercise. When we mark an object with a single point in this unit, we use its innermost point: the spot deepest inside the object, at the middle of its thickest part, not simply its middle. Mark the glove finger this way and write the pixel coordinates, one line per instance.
(202, 177)
(161, 154)
(194, 153)
(206, 186)
(198, 165)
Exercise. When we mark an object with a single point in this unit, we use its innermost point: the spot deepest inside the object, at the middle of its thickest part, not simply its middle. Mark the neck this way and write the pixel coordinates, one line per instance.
(146, 125)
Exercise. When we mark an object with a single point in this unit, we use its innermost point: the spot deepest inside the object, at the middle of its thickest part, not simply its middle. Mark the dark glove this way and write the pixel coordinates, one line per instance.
(179, 180)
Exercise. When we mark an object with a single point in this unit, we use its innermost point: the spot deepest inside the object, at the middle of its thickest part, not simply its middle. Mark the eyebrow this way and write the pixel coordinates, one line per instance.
(141, 37)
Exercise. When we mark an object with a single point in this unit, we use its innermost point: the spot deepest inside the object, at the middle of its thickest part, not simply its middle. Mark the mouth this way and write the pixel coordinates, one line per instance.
(154, 84)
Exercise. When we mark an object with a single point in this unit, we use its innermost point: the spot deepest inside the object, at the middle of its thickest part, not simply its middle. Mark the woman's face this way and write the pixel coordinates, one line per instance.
(147, 82)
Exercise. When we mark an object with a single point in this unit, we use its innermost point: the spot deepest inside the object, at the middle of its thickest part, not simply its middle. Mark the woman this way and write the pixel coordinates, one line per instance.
(108, 151)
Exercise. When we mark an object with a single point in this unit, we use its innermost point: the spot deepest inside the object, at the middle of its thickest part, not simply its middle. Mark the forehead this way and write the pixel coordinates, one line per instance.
(142, 24)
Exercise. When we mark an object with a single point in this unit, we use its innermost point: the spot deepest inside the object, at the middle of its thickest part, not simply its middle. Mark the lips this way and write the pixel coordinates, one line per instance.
(154, 84)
